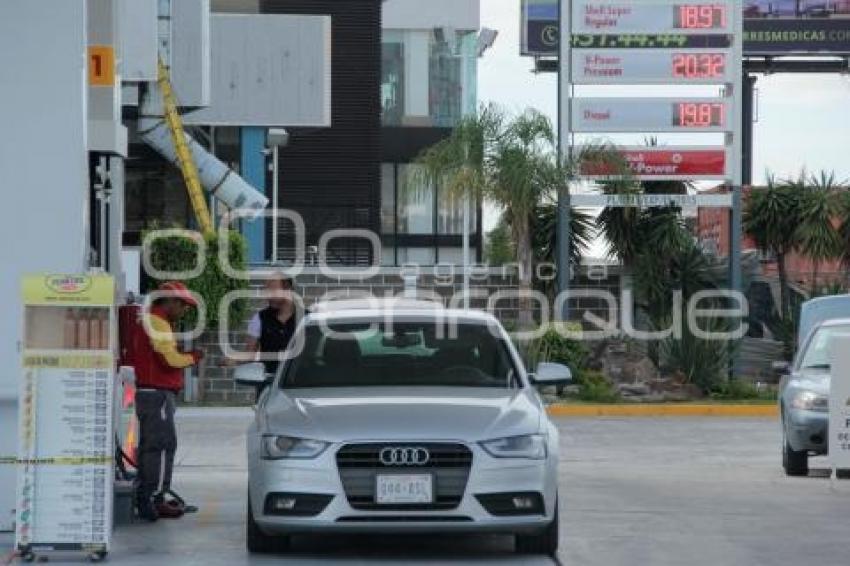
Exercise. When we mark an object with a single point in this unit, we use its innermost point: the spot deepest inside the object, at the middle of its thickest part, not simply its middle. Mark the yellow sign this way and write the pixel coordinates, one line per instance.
(66, 460)
(101, 65)
(69, 289)
(67, 361)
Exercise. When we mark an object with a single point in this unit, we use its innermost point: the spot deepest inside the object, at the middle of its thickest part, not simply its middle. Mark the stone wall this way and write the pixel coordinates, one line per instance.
(214, 383)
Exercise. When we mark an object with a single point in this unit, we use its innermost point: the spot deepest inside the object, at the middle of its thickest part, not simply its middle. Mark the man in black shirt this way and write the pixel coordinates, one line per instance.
(270, 329)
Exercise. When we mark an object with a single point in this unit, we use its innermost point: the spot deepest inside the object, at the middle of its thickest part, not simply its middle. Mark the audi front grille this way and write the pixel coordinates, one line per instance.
(449, 465)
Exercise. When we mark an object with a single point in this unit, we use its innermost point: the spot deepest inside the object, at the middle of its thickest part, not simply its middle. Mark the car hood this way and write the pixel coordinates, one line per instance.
(812, 380)
(427, 413)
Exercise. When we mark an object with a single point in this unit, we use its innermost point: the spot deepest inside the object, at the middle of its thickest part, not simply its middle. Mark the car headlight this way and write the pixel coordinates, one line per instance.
(531, 446)
(810, 401)
(280, 447)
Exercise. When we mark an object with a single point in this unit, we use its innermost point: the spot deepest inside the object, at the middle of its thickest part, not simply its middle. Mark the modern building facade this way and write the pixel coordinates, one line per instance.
(429, 54)
(331, 176)
(402, 74)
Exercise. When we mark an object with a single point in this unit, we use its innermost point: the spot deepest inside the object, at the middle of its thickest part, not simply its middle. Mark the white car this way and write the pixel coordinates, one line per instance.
(401, 417)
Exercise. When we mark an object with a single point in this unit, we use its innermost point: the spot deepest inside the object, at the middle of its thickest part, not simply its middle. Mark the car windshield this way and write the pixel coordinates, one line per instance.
(400, 354)
(817, 354)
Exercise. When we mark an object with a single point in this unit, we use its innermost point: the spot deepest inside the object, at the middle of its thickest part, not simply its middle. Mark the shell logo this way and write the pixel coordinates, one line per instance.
(67, 284)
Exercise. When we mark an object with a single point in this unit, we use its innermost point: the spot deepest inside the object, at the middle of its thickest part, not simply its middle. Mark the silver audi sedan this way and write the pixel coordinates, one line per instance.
(402, 417)
(804, 399)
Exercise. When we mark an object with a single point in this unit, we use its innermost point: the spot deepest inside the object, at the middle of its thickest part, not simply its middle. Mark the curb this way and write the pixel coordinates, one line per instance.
(664, 410)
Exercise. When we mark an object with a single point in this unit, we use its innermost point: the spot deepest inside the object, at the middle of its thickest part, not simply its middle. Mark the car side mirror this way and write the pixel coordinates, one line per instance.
(549, 373)
(252, 374)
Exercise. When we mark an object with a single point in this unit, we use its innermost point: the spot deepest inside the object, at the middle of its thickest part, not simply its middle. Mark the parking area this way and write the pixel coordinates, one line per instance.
(667, 491)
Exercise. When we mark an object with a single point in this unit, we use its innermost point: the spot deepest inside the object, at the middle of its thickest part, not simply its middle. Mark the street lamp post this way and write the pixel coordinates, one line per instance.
(275, 139)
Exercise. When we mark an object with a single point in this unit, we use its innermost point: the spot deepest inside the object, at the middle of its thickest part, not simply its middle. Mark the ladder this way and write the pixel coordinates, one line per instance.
(184, 154)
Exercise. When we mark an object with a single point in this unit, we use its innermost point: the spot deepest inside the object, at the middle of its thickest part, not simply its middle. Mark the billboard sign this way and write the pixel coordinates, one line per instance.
(651, 66)
(539, 28)
(664, 164)
(796, 36)
(651, 115)
(771, 27)
(672, 16)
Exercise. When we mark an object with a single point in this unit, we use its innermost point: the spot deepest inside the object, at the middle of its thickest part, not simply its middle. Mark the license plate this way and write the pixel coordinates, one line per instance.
(398, 488)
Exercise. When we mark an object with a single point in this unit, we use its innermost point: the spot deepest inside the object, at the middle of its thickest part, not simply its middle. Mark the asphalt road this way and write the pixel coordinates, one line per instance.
(672, 491)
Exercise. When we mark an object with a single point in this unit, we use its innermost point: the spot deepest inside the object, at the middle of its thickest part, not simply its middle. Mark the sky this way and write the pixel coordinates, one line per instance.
(802, 120)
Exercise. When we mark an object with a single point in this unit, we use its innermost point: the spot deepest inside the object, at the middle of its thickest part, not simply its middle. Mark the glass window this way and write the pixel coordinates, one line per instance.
(450, 215)
(416, 256)
(387, 198)
(387, 255)
(392, 82)
(454, 256)
(817, 355)
(156, 194)
(452, 77)
(415, 203)
(400, 354)
(445, 86)
(428, 78)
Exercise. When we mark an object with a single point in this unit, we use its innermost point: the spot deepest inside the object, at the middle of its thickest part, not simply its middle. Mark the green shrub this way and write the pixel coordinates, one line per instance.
(553, 346)
(178, 253)
(740, 390)
(594, 387)
(699, 361)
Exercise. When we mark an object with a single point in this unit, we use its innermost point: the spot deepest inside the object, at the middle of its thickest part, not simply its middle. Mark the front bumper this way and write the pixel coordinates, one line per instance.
(807, 430)
(320, 476)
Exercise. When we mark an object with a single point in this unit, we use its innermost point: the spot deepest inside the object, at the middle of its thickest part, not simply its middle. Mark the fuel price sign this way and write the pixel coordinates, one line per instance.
(651, 115)
(651, 66)
(676, 16)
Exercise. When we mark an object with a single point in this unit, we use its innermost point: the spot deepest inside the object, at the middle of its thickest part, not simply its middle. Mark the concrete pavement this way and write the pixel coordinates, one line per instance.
(635, 491)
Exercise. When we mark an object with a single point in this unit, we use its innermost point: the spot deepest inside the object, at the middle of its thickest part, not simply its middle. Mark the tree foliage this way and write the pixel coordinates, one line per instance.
(509, 161)
(180, 253)
(499, 249)
(807, 214)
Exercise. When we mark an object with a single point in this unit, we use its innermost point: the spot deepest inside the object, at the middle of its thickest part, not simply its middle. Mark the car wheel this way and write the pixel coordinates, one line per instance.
(259, 542)
(796, 463)
(546, 542)
(842, 474)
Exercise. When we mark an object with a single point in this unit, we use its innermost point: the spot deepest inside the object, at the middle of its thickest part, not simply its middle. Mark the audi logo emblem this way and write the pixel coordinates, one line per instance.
(404, 456)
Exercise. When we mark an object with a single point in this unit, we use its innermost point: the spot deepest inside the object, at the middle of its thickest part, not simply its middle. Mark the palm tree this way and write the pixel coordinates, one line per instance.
(771, 218)
(645, 240)
(498, 249)
(627, 228)
(621, 225)
(546, 227)
(819, 238)
(545, 235)
(510, 162)
(685, 269)
(844, 227)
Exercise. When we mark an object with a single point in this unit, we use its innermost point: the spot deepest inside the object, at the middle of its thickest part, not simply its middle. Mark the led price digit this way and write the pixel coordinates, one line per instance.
(699, 16)
(699, 114)
(699, 65)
